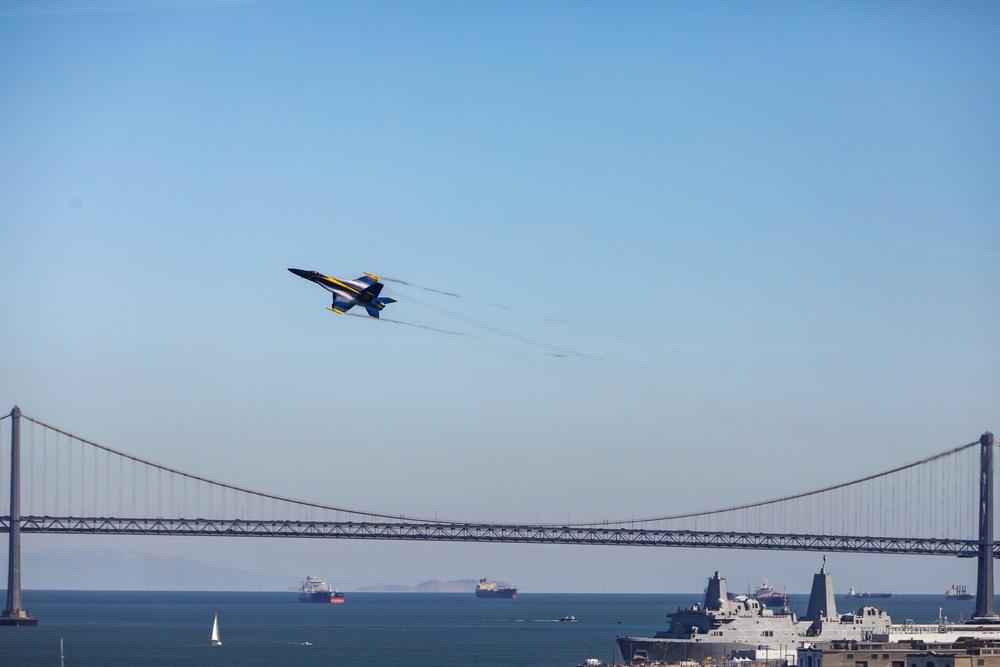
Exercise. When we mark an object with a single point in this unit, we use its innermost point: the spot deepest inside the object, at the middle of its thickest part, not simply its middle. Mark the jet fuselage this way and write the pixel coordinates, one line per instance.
(363, 291)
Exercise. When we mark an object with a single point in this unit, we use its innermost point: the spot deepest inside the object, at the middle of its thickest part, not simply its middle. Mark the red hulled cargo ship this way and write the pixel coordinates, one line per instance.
(487, 589)
(314, 589)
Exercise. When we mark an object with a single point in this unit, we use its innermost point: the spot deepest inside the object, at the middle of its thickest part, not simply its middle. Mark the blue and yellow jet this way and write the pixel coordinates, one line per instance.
(349, 293)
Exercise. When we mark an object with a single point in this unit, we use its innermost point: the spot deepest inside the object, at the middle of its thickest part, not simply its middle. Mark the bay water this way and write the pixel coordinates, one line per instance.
(151, 629)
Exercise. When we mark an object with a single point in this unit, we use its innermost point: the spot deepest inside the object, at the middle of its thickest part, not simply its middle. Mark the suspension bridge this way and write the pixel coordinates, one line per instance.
(61, 483)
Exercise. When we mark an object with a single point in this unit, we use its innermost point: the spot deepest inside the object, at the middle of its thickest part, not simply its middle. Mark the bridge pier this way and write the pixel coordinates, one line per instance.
(13, 614)
(985, 605)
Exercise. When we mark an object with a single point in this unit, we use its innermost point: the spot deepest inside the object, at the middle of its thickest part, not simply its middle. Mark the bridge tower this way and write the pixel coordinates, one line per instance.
(13, 614)
(985, 605)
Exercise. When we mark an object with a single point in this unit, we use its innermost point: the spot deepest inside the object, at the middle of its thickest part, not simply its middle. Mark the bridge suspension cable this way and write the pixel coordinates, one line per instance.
(148, 466)
(71, 483)
(783, 499)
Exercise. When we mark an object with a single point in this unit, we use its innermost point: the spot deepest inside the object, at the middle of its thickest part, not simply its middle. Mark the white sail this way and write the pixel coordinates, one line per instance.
(215, 632)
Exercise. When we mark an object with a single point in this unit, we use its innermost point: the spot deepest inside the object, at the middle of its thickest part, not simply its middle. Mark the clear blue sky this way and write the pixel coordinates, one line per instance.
(764, 235)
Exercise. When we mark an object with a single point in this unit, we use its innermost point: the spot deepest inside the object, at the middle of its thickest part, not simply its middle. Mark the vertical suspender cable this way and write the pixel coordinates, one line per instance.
(69, 477)
(134, 493)
(83, 479)
(31, 474)
(107, 485)
(121, 485)
(45, 470)
(57, 509)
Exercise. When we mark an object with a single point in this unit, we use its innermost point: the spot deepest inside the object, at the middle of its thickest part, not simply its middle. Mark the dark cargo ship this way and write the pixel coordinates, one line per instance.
(314, 589)
(959, 593)
(487, 589)
(851, 593)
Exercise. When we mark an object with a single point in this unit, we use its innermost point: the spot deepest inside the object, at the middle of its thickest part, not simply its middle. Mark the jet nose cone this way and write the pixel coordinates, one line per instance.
(299, 272)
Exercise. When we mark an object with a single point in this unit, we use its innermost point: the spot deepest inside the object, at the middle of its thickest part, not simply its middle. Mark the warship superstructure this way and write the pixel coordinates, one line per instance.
(720, 628)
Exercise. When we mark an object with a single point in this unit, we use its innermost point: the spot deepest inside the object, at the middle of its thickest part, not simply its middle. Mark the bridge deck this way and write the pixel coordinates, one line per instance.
(501, 533)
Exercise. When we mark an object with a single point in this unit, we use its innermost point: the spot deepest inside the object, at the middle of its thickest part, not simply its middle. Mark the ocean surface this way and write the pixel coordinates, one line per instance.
(130, 628)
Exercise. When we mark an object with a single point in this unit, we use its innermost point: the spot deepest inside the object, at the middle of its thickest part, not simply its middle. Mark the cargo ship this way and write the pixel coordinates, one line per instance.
(487, 589)
(852, 593)
(314, 589)
(959, 593)
(770, 596)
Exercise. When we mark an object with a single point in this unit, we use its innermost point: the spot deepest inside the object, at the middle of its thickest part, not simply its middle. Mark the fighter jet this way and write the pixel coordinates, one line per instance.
(349, 293)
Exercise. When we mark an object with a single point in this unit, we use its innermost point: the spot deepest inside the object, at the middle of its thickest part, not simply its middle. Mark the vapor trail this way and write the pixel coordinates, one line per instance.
(422, 326)
(545, 346)
(428, 289)
(410, 324)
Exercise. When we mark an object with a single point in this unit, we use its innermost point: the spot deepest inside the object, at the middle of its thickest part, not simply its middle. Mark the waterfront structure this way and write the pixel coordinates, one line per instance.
(912, 653)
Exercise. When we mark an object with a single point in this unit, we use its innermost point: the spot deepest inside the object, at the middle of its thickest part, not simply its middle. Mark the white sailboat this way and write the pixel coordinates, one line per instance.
(215, 632)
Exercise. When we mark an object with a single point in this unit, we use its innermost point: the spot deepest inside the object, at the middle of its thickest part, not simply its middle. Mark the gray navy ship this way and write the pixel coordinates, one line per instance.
(720, 628)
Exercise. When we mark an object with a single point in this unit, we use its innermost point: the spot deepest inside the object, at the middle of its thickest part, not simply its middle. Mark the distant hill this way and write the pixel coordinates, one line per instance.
(125, 570)
(118, 570)
(432, 586)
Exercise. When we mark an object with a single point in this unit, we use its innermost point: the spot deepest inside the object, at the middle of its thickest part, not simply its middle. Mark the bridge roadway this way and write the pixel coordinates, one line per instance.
(595, 534)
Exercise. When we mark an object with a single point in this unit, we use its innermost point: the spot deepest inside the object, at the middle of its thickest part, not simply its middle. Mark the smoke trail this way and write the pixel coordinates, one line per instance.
(423, 326)
(437, 291)
(549, 348)
(427, 289)
(410, 324)
(560, 320)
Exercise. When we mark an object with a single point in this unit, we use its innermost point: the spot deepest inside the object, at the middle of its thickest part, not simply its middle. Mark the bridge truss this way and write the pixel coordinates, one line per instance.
(499, 533)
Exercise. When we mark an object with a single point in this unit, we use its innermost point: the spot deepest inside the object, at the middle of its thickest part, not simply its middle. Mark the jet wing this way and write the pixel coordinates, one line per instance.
(371, 284)
(341, 305)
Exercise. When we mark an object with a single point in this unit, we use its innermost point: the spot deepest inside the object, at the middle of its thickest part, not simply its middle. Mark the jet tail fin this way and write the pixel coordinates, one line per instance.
(378, 304)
